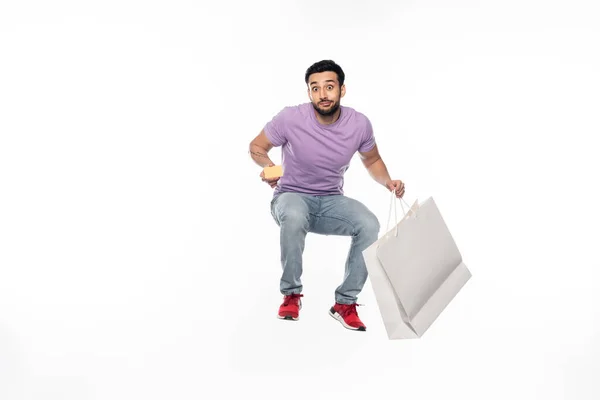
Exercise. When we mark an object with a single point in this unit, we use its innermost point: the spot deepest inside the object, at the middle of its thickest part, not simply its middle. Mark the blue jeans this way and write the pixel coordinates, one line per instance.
(297, 214)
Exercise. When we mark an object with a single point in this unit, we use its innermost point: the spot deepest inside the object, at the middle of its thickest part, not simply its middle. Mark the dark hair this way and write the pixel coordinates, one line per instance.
(325, 65)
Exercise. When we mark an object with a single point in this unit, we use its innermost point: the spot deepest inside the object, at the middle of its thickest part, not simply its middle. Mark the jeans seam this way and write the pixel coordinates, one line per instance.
(341, 219)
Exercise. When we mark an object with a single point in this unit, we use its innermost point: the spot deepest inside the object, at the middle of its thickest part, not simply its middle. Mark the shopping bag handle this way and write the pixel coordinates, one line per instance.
(393, 202)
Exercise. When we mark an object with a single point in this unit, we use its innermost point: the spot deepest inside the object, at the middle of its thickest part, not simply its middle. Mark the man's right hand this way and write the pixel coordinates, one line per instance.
(270, 181)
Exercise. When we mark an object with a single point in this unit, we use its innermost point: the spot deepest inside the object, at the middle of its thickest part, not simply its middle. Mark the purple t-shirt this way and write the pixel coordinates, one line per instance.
(316, 156)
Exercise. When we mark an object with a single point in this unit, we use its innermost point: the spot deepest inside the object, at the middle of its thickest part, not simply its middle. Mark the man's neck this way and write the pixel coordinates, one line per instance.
(328, 119)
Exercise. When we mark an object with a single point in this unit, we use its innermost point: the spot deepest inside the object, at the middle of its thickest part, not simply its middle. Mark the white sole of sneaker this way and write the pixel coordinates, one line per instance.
(339, 318)
(288, 318)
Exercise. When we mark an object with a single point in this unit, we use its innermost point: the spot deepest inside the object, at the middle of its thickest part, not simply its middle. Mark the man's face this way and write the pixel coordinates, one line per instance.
(325, 92)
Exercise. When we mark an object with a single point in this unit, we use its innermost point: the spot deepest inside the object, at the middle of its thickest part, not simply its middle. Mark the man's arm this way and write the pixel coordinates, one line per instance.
(259, 149)
(374, 163)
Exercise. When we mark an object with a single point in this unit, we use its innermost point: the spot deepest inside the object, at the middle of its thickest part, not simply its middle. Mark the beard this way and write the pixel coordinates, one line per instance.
(329, 112)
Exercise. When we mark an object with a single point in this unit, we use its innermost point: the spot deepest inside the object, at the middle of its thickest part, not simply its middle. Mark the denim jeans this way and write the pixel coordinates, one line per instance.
(298, 214)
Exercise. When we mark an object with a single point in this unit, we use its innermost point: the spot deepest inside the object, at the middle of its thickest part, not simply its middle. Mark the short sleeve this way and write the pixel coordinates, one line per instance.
(368, 140)
(274, 129)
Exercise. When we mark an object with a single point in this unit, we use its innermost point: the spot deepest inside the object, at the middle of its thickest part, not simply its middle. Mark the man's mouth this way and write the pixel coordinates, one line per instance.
(325, 103)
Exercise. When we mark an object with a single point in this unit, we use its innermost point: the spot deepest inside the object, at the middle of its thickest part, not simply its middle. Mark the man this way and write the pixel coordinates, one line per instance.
(319, 139)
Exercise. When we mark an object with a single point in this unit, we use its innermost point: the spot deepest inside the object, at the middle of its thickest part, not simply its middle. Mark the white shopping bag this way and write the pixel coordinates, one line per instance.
(415, 270)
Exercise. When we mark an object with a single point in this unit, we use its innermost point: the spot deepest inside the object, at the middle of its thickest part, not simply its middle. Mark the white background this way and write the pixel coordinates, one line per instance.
(138, 257)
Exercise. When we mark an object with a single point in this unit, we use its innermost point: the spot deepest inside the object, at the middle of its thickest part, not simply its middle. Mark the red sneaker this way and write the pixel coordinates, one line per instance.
(290, 308)
(347, 315)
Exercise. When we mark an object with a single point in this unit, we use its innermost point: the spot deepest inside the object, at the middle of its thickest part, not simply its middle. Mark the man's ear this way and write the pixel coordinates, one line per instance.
(343, 92)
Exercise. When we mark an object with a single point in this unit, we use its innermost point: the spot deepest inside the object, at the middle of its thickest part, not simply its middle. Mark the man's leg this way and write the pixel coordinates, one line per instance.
(344, 216)
(292, 213)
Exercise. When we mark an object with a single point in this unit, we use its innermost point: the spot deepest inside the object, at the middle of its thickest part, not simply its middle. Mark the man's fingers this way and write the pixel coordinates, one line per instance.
(272, 182)
(400, 190)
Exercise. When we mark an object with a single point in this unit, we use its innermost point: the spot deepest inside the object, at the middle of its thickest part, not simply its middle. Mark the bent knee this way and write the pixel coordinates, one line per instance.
(369, 225)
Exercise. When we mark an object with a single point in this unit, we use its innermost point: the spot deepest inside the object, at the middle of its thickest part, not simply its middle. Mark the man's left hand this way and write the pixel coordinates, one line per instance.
(397, 186)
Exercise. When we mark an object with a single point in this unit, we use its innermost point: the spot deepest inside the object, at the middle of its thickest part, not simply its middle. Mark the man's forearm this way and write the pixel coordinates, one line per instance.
(260, 156)
(379, 172)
